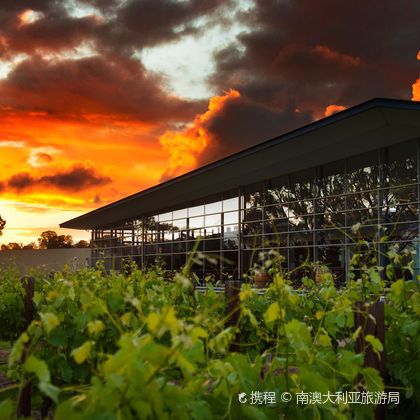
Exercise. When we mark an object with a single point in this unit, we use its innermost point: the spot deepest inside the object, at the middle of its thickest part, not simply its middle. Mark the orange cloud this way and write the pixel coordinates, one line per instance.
(183, 148)
(60, 166)
(416, 85)
(333, 55)
(332, 109)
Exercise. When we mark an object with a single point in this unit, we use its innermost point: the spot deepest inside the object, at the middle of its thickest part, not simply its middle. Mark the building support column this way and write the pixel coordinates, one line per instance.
(240, 268)
(142, 242)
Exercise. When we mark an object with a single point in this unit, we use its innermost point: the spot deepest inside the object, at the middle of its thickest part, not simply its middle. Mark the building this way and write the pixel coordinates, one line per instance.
(299, 193)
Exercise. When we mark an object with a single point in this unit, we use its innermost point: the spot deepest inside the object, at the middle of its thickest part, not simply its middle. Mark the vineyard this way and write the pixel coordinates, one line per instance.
(137, 346)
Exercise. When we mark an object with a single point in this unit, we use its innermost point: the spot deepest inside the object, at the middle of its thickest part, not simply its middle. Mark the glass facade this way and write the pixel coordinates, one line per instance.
(307, 215)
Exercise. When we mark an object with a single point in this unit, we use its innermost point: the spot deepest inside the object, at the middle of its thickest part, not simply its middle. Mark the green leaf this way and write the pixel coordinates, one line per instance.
(375, 343)
(6, 409)
(40, 368)
(126, 319)
(273, 313)
(58, 337)
(153, 321)
(95, 327)
(411, 327)
(311, 380)
(49, 321)
(349, 364)
(115, 300)
(357, 333)
(373, 381)
(82, 353)
(340, 320)
(66, 371)
(50, 390)
(298, 334)
(324, 340)
(37, 366)
(17, 350)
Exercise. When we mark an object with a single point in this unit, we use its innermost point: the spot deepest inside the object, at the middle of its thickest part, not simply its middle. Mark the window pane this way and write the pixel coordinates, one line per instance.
(213, 220)
(302, 207)
(196, 211)
(279, 225)
(178, 214)
(230, 240)
(329, 220)
(368, 216)
(212, 244)
(180, 224)
(230, 218)
(196, 222)
(400, 195)
(212, 232)
(400, 213)
(277, 211)
(230, 204)
(301, 223)
(363, 200)
(363, 172)
(402, 167)
(213, 207)
(165, 216)
(279, 191)
(253, 214)
(255, 195)
(275, 240)
(252, 228)
(332, 180)
(302, 185)
(330, 204)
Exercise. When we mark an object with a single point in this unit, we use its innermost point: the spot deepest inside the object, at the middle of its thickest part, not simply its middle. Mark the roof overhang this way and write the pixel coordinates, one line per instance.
(365, 127)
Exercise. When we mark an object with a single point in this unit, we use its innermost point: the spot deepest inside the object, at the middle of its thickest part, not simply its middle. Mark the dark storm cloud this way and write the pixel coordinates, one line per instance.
(113, 86)
(79, 177)
(50, 34)
(103, 5)
(131, 26)
(13, 33)
(110, 82)
(242, 123)
(150, 22)
(21, 181)
(324, 52)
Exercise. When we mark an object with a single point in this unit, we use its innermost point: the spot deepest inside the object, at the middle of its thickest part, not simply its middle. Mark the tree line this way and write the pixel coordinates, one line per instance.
(47, 240)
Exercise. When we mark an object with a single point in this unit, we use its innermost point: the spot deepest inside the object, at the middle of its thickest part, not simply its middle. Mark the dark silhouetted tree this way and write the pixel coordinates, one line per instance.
(11, 246)
(82, 244)
(2, 225)
(50, 240)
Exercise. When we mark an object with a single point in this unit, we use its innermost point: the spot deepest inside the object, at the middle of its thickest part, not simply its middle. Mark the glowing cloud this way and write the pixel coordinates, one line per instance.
(28, 16)
(332, 55)
(416, 85)
(332, 109)
(183, 148)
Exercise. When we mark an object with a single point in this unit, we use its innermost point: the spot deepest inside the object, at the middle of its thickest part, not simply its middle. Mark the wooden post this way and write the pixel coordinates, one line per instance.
(377, 329)
(24, 403)
(232, 289)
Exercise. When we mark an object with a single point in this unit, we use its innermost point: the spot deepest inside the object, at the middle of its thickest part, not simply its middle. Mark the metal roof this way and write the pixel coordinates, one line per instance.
(368, 126)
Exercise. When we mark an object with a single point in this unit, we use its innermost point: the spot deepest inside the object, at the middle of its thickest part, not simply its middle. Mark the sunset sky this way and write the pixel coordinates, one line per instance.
(100, 99)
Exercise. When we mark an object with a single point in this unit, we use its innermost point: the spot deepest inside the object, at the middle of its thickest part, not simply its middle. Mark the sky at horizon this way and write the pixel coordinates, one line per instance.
(100, 99)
